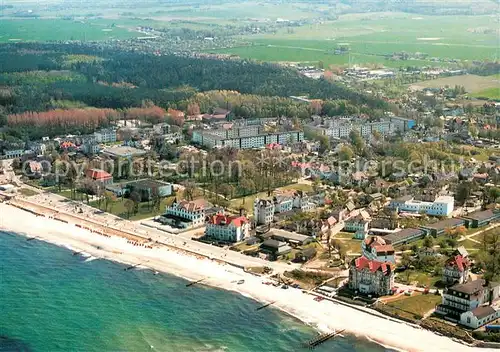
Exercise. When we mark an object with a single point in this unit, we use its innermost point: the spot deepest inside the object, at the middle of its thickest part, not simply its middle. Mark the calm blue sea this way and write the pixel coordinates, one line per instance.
(53, 301)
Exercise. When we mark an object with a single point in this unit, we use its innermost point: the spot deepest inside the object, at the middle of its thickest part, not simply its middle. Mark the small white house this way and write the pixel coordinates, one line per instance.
(479, 316)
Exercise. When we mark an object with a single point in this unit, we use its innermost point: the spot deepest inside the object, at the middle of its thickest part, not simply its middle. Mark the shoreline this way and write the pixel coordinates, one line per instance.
(323, 316)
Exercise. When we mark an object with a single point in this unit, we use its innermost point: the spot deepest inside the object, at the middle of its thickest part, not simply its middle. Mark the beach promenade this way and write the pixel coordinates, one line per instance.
(325, 316)
(62, 209)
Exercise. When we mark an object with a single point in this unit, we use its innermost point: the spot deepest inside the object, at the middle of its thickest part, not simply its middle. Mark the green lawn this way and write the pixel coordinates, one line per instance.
(24, 30)
(414, 307)
(490, 94)
(345, 235)
(422, 278)
(145, 210)
(247, 202)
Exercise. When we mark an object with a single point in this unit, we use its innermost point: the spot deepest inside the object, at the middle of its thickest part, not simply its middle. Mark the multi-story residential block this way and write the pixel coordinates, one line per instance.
(376, 248)
(107, 135)
(466, 297)
(12, 154)
(90, 147)
(38, 148)
(356, 224)
(244, 137)
(162, 128)
(442, 206)
(226, 228)
(402, 124)
(342, 127)
(263, 211)
(282, 204)
(371, 276)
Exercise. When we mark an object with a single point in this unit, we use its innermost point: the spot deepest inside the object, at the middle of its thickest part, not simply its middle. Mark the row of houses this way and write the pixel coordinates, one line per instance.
(360, 225)
(265, 209)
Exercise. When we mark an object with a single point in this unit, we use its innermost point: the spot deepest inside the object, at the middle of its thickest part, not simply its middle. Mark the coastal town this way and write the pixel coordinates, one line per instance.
(245, 175)
(307, 205)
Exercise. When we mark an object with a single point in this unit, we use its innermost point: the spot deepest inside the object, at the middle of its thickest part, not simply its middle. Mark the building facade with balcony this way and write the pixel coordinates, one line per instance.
(371, 277)
(466, 297)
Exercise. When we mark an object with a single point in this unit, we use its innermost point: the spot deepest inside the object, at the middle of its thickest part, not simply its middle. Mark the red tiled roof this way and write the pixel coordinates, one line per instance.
(98, 175)
(224, 220)
(194, 205)
(66, 145)
(460, 262)
(373, 265)
(483, 176)
(35, 166)
(379, 244)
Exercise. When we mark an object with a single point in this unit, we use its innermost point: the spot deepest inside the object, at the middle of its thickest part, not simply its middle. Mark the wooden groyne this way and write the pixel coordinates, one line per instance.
(321, 339)
(132, 267)
(265, 305)
(194, 282)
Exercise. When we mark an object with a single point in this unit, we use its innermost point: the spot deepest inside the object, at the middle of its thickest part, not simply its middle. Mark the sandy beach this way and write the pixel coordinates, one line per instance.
(324, 316)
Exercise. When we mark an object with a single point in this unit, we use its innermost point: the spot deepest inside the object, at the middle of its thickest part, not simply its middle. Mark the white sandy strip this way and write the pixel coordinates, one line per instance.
(323, 315)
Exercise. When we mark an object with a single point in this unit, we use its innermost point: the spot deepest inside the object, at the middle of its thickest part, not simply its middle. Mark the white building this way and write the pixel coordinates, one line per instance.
(356, 224)
(248, 137)
(38, 148)
(263, 211)
(11, 154)
(282, 204)
(466, 297)
(442, 206)
(479, 316)
(376, 248)
(185, 214)
(107, 135)
(227, 229)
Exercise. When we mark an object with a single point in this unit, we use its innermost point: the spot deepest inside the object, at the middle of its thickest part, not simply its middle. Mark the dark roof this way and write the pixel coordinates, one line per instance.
(404, 199)
(482, 215)
(483, 312)
(470, 287)
(147, 184)
(272, 243)
(402, 235)
(308, 252)
(443, 224)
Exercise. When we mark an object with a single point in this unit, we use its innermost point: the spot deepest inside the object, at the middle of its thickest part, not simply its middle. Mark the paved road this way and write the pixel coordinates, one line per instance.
(73, 208)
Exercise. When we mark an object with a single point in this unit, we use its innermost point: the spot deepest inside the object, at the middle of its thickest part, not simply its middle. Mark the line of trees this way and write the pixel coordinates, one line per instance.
(59, 118)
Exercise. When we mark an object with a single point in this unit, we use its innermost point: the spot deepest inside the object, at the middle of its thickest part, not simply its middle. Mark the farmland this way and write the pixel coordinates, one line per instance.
(472, 83)
(25, 30)
(276, 31)
(490, 93)
(371, 37)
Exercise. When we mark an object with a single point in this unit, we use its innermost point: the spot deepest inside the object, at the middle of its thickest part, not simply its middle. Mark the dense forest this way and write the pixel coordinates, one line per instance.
(42, 77)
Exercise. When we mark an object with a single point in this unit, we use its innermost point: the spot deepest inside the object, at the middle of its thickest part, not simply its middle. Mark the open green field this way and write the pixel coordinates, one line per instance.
(413, 308)
(370, 37)
(472, 83)
(26, 30)
(490, 94)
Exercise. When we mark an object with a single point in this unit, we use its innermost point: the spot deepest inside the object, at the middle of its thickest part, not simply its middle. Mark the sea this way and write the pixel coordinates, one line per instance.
(52, 300)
